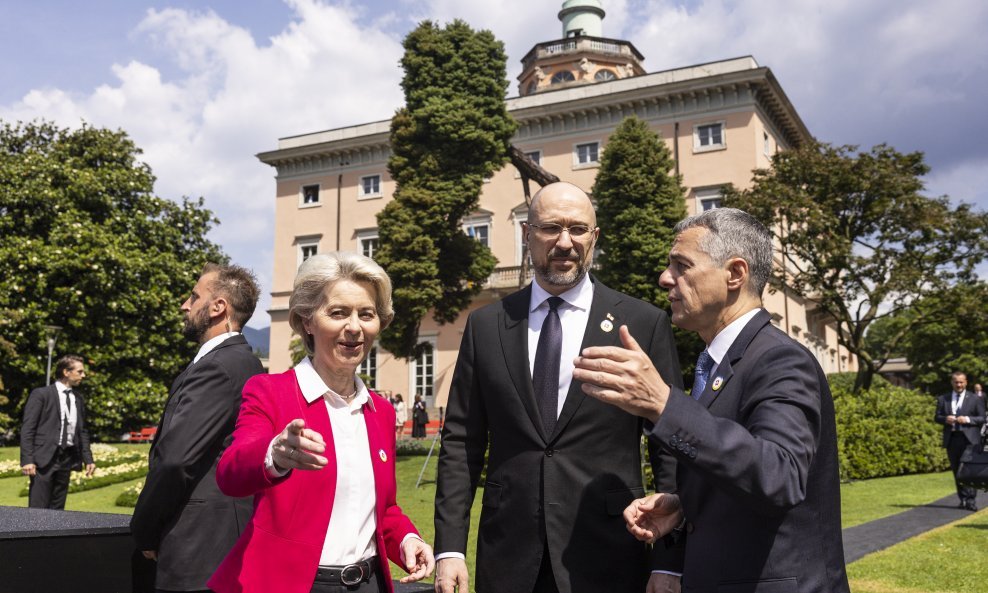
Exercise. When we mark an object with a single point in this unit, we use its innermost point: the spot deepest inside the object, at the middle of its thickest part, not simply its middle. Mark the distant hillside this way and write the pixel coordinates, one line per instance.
(259, 339)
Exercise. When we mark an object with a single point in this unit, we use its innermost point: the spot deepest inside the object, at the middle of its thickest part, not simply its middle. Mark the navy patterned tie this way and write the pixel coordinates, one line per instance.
(704, 364)
(545, 375)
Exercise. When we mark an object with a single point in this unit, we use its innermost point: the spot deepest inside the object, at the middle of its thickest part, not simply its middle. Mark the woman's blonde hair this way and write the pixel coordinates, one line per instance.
(319, 271)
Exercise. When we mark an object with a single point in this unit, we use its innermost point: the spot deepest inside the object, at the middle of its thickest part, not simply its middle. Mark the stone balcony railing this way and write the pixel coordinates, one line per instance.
(598, 45)
(507, 277)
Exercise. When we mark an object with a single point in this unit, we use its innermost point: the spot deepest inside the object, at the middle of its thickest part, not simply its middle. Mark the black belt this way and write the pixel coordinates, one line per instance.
(349, 575)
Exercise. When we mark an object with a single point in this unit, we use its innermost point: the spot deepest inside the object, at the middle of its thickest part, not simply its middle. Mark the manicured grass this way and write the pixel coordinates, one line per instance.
(946, 560)
(419, 503)
(868, 500)
(100, 500)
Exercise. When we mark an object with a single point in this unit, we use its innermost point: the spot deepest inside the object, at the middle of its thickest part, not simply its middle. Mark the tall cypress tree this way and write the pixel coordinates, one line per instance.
(638, 203)
(453, 132)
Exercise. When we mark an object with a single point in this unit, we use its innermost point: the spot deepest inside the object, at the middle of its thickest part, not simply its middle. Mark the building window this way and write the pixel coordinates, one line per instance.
(708, 199)
(370, 186)
(368, 368)
(307, 249)
(562, 76)
(604, 75)
(424, 372)
(768, 144)
(368, 242)
(586, 154)
(479, 232)
(310, 195)
(532, 87)
(535, 155)
(708, 136)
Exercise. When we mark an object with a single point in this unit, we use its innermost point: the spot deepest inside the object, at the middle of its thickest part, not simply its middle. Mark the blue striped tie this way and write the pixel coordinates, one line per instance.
(704, 364)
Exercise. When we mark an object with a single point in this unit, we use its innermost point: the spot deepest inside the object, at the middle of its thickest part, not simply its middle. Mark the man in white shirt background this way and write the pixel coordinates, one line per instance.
(962, 414)
(54, 437)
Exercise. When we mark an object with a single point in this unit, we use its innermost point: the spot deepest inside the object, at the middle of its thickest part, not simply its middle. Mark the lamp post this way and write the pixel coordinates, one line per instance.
(52, 333)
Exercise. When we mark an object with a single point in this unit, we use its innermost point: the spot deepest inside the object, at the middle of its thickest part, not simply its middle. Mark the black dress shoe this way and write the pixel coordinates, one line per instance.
(971, 505)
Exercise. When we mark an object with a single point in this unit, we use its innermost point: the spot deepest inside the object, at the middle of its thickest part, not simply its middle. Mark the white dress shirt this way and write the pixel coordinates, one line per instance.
(212, 343)
(722, 342)
(574, 313)
(350, 533)
(64, 412)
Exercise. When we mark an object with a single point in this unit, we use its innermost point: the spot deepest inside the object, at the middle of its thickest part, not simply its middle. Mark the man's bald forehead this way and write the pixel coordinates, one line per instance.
(563, 191)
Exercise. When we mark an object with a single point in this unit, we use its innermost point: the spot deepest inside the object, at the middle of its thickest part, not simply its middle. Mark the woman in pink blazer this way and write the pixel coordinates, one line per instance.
(316, 450)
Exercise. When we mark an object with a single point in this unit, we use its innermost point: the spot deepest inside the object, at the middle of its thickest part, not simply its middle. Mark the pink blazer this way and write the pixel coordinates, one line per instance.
(280, 548)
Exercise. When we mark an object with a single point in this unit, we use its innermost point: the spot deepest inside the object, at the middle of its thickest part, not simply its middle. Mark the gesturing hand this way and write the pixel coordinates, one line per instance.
(654, 516)
(624, 377)
(298, 447)
(418, 559)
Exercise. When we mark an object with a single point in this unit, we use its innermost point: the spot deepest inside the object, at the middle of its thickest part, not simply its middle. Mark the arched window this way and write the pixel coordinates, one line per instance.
(604, 75)
(562, 76)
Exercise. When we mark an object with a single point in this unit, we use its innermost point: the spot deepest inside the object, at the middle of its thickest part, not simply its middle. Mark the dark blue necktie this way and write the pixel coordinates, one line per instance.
(704, 364)
(545, 375)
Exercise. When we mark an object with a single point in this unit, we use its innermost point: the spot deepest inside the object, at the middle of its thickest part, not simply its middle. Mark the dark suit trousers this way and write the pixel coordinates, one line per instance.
(50, 486)
(956, 446)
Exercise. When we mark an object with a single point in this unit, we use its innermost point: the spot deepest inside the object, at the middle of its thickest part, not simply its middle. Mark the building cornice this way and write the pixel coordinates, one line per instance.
(716, 87)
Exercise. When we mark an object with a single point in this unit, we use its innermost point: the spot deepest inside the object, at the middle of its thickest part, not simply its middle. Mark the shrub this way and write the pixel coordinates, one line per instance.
(128, 498)
(412, 447)
(885, 430)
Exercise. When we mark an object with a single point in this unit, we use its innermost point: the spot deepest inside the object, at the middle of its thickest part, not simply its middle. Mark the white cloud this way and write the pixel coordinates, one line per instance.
(231, 99)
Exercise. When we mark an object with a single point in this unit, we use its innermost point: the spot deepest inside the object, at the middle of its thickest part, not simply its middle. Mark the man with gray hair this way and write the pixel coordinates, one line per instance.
(182, 520)
(758, 502)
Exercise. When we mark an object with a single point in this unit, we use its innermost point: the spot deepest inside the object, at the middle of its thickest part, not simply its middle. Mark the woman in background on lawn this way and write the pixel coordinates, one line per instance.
(420, 417)
(401, 415)
(316, 449)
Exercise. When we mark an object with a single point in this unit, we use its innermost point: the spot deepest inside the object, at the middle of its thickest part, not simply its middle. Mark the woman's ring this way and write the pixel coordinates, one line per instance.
(292, 454)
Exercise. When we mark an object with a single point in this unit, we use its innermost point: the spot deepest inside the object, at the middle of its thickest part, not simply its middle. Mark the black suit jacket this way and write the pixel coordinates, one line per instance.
(42, 428)
(758, 472)
(972, 406)
(181, 512)
(580, 478)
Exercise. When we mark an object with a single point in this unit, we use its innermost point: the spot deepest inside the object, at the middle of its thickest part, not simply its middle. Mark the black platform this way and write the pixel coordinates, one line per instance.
(45, 550)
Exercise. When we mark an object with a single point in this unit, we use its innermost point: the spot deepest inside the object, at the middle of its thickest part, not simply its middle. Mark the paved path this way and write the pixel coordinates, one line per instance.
(879, 534)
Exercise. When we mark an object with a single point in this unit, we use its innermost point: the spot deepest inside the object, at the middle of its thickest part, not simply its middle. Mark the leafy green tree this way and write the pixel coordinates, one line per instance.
(639, 201)
(453, 132)
(941, 333)
(858, 238)
(85, 245)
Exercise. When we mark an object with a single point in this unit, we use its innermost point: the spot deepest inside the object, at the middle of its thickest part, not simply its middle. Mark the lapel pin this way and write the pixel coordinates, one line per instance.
(606, 325)
(718, 382)
(611, 317)
(383, 455)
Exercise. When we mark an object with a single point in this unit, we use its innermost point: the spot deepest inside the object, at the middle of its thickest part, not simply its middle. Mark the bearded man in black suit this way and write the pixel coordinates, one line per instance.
(560, 466)
(54, 437)
(758, 506)
(182, 520)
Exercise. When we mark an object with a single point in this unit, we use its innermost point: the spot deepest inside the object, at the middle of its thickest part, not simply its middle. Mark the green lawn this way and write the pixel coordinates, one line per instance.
(868, 500)
(946, 560)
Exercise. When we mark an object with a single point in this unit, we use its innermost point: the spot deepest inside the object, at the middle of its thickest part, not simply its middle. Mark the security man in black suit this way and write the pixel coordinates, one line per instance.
(962, 414)
(54, 437)
(758, 505)
(182, 520)
(560, 466)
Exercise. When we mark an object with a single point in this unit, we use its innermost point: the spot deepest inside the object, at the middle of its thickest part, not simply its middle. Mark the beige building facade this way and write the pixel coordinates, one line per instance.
(721, 120)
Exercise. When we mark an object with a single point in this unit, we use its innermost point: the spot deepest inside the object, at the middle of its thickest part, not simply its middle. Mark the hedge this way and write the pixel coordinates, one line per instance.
(885, 431)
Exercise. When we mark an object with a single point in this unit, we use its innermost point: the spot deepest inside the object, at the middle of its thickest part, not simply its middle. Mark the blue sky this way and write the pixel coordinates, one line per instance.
(204, 85)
